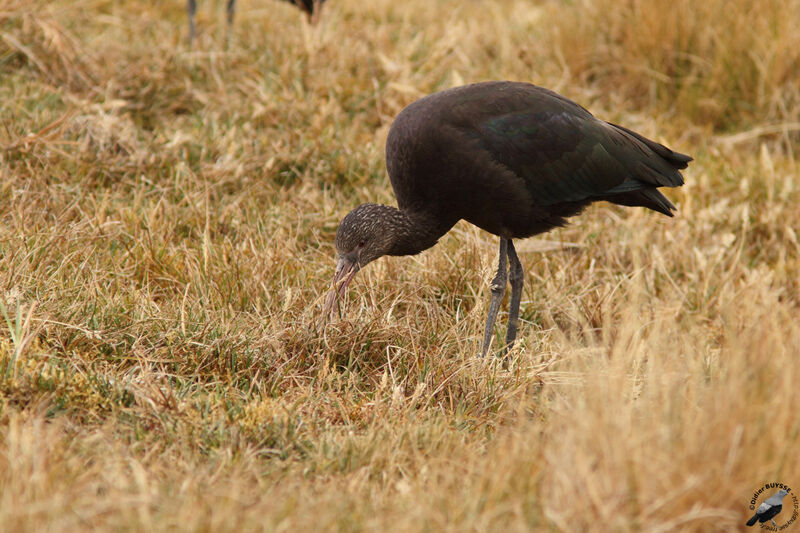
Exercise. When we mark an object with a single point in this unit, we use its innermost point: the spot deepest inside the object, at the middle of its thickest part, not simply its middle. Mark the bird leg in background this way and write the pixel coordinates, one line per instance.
(516, 277)
(230, 10)
(498, 287)
(315, 11)
(191, 8)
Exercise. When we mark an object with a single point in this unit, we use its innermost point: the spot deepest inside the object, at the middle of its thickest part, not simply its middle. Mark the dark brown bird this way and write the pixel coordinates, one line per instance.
(307, 6)
(513, 159)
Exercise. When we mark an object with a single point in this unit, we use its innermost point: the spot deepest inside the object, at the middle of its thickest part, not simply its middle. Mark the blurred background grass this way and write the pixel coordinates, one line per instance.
(166, 238)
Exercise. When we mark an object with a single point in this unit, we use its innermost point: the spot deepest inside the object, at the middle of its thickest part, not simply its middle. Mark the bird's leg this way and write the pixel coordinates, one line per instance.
(516, 278)
(191, 8)
(230, 11)
(774, 524)
(498, 287)
(313, 17)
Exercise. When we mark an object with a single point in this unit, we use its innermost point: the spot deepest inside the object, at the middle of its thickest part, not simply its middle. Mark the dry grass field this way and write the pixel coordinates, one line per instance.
(166, 241)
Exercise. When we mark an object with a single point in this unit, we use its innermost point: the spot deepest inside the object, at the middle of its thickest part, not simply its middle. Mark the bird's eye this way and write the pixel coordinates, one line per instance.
(361, 244)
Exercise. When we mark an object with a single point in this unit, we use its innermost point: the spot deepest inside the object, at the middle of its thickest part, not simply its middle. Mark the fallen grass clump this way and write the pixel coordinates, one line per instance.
(166, 245)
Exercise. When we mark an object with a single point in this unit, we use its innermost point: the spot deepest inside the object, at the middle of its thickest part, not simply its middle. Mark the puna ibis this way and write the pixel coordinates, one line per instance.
(513, 159)
(309, 7)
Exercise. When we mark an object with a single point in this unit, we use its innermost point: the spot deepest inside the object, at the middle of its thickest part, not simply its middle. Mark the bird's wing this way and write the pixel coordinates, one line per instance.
(763, 508)
(564, 156)
(775, 499)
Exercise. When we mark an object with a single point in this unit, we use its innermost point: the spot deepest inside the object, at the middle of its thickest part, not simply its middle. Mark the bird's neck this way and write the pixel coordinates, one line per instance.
(412, 232)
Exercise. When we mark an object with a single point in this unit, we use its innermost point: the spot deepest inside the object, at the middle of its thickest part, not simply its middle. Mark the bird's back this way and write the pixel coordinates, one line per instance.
(516, 159)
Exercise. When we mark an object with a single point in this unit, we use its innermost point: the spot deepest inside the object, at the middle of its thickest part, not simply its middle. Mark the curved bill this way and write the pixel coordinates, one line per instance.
(346, 268)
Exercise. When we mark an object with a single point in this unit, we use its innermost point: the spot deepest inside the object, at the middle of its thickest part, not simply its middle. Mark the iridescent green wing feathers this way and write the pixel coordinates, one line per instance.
(566, 155)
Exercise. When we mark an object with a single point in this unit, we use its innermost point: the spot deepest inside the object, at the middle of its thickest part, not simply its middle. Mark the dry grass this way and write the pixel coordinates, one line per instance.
(166, 239)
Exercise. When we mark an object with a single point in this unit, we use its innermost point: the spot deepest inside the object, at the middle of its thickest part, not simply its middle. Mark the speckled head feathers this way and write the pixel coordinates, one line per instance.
(366, 231)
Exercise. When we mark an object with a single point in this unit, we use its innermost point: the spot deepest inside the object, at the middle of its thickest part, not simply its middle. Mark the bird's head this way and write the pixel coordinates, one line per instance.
(364, 235)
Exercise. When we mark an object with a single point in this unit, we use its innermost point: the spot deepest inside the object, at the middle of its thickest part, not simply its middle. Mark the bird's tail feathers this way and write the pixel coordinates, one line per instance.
(676, 159)
(753, 520)
(648, 197)
(664, 177)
